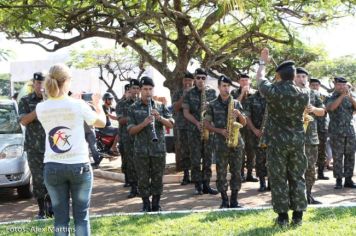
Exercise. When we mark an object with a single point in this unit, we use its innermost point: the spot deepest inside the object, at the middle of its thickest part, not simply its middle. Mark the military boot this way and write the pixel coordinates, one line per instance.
(263, 187)
(338, 183)
(146, 204)
(155, 203)
(198, 189)
(349, 183)
(250, 177)
(233, 200)
(297, 218)
(321, 175)
(224, 200)
(133, 192)
(48, 206)
(41, 209)
(207, 189)
(186, 179)
(282, 219)
(311, 199)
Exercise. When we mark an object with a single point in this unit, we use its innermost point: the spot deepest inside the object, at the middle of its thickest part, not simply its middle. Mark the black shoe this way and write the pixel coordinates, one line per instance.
(297, 218)
(282, 219)
(198, 189)
(155, 203)
(133, 192)
(263, 187)
(186, 179)
(321, 175)
(311, 200)
(349, 183)
(251, 178)
(208, 190)
(338, 183)
(233, 200)
(224, 200)
(146, 205)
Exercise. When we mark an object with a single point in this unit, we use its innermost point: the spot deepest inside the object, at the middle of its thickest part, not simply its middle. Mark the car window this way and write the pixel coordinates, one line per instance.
(9, 123)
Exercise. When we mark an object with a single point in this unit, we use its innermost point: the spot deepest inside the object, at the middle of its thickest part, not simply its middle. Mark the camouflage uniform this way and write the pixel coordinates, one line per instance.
(192, 102)
(312, 142)
(181, 126)
(217, 114)
(286, 161)
(342, 137)
(150, 157)
(247, 136)
(34, 144)
(127, 141)
(255, 110)
(322, 135)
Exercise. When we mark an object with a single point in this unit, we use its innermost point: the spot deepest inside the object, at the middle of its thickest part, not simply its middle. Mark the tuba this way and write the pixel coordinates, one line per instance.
(204, 135)
(233, 127)
(153, 129)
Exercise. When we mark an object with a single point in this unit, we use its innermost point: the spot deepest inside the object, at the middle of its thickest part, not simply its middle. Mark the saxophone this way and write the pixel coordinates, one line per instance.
(204, 135)
(233, 127)
(306, 120)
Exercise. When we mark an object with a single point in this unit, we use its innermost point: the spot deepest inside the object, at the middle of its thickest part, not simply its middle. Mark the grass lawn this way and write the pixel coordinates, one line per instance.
(317, 221)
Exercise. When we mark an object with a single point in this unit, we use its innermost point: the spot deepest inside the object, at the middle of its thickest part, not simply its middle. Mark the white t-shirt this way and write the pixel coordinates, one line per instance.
(63, 121)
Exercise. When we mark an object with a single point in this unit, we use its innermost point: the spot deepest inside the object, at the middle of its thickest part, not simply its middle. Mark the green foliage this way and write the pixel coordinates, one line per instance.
(317, 221)
(224, 35)
(343, 66)
(5, 85)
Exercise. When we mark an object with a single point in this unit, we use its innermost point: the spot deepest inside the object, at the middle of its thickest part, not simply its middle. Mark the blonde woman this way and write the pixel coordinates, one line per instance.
(67, 171)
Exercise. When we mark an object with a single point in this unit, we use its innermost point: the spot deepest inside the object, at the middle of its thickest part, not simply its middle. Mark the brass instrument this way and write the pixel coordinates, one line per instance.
(204, 135)
(262, 140)
(153, 129)
(233, 127)
(306, 120)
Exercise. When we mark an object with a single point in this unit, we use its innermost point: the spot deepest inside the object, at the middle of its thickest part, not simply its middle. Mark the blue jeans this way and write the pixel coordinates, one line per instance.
(64, 181)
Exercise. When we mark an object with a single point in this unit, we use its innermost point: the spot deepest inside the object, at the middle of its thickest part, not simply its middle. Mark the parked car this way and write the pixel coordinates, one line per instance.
(14, 170)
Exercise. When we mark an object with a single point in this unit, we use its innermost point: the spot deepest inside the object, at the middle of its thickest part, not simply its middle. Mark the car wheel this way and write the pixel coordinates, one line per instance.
(25, 191)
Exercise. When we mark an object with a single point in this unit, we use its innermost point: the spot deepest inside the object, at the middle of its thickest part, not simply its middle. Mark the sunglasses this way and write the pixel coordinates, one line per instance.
(200, 77)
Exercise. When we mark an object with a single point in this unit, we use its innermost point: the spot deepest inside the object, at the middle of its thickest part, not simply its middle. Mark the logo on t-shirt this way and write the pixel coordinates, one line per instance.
(59, 139)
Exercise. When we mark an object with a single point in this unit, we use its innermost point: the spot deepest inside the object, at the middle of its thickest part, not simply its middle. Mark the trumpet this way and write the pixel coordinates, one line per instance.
(153, 129)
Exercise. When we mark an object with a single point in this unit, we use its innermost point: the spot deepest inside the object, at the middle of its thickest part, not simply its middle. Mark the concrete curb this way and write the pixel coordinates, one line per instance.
(167, 179)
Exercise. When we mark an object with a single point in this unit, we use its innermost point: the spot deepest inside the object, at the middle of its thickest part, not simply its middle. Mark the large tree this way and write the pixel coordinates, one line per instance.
(223, 35)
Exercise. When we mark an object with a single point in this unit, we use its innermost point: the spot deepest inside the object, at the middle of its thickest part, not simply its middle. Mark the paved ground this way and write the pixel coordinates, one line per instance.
(110, 197)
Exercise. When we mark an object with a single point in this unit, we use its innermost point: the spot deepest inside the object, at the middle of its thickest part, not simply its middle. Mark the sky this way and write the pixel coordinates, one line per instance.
(338, 39)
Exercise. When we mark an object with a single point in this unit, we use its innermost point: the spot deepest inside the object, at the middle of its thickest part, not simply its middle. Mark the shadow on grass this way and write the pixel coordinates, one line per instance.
(322, 214)
(214, 216)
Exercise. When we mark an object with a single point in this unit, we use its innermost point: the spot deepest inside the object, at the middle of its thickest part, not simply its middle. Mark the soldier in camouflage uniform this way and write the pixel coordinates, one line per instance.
(216, 121)
(198, 152)
(286, 160)
(341, 105)
(122, 131)
(255, 112)
(149, 156)
(35, 142)
(315, 108)
(241, 94)
(181, 126)
(322, 131)
(126, 139)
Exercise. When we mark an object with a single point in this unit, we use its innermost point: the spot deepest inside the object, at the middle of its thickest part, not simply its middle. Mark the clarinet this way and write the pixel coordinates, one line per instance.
(153, 129)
